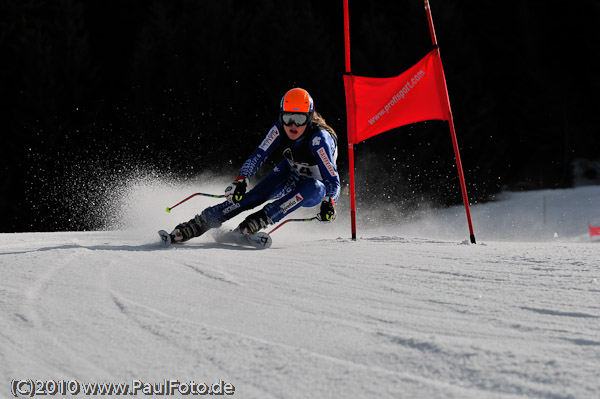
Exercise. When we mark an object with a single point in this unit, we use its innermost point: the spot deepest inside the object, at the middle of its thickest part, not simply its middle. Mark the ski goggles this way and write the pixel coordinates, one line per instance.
(298, 119)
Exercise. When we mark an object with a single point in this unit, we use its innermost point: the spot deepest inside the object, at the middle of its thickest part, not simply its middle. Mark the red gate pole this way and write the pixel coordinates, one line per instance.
(350, 121)
(440, 71)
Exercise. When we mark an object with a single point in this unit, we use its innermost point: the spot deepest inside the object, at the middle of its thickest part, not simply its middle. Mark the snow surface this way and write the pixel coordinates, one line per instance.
(406, 311)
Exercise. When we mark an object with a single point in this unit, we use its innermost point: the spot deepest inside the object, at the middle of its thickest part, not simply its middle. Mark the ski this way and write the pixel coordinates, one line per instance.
(260, 240)
(165, 238)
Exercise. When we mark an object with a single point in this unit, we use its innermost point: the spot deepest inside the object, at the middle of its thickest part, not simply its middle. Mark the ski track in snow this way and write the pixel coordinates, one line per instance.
(387, 316)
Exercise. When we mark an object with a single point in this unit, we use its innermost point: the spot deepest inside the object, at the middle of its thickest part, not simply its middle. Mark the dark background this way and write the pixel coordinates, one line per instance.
(96, 90)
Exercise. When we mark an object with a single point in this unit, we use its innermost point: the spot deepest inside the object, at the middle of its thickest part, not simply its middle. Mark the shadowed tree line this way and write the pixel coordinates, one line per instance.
(98, 88)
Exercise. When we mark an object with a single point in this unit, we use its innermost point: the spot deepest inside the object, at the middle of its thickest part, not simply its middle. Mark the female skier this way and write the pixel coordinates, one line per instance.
(306, 176)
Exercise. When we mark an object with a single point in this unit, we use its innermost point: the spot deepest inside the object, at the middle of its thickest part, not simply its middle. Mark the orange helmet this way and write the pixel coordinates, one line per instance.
(297, 100)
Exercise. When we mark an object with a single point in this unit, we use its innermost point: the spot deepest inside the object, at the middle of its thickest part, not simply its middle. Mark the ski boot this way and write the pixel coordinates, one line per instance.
(254, 223)
(185, 231)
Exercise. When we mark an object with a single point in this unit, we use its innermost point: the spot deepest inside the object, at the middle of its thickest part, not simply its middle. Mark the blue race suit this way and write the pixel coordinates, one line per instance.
(307, 175)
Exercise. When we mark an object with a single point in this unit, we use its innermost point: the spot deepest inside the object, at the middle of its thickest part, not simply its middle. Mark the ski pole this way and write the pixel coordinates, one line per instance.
(193, 195)
(293, 220)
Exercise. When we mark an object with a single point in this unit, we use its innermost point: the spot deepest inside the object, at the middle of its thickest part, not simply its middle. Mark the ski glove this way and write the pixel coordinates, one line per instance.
(327, 213)
(236, 190)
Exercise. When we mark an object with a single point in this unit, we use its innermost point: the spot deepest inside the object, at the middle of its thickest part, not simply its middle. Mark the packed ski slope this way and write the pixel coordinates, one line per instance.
(410, 311)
